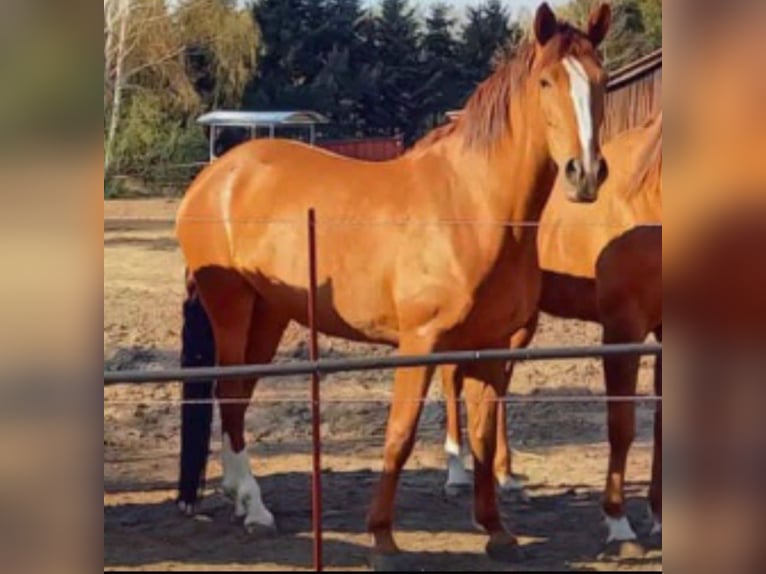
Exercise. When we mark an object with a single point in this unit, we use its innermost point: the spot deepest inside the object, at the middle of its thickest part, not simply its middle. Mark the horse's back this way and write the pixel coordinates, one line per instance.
(262, 183)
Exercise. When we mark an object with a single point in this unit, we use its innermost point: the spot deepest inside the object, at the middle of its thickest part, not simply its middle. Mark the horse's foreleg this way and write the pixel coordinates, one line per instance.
(457, 476)
(621, 374)
(655, 491)
(410, 388)
(485, 384)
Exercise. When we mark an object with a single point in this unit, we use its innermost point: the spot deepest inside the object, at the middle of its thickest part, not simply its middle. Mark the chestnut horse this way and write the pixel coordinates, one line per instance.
(601, 263)
(241, 227)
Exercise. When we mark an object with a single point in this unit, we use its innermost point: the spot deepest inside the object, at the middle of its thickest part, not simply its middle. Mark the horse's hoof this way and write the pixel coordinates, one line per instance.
(258, 530)
(453, 490)
(510, 483)
(653, 541)
(623, 550)
(229, 492)
(388, 562)
(187, 508)
(504, 548)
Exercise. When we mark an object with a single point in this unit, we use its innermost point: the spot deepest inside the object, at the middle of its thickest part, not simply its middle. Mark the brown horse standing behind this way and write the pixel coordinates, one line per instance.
(422, 288)
(601, 263)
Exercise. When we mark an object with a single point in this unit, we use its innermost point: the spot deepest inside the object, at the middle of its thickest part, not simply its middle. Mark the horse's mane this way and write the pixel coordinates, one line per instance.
(486, 116)
(649, 170)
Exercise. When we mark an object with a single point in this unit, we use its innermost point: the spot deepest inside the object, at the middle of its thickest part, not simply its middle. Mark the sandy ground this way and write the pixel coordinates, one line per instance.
(561, 448)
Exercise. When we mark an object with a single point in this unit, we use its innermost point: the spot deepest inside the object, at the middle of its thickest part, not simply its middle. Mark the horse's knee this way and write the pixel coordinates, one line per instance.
(398, 447)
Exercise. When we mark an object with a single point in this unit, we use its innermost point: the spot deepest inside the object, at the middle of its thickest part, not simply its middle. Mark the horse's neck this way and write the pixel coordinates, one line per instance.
(511, 182)
(644, 205)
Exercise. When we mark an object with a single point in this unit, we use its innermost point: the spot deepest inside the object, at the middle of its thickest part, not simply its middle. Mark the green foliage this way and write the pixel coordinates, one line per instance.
(173, 64)
(151, 145)
(373, 70)
(441, 69)
(488, 30)
(636, 27)
(652, 15)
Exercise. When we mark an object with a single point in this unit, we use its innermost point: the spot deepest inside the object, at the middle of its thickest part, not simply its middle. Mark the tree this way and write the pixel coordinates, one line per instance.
(154, 57)
(281, 29)
(338, 88)
(298, 37)
(441, 88)
(397, 40)
(226, 39)
(487, 31)
(652, 14)
(636, 28)
(116, 20)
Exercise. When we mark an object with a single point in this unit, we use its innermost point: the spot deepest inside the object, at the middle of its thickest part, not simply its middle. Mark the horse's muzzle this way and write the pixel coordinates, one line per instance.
(585, 183)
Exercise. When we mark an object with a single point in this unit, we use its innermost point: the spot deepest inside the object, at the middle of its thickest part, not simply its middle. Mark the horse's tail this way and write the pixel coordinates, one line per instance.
(197, 350)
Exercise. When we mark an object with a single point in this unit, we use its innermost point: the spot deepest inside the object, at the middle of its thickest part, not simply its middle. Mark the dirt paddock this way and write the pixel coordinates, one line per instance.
(561, 448)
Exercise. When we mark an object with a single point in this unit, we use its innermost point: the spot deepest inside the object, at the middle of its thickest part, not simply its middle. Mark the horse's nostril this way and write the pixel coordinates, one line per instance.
(603, 170)
(574, 171)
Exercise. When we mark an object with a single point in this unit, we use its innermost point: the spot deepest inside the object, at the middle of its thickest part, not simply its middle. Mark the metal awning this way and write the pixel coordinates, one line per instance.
(245, 119)
(254, 120)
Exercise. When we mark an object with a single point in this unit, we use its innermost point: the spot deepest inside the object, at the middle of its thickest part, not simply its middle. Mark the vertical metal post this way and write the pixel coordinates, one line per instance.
(316, 479)
(213, 131)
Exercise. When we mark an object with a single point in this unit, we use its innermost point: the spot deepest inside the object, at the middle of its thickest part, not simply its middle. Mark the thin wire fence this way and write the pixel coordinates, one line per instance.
(357, 222)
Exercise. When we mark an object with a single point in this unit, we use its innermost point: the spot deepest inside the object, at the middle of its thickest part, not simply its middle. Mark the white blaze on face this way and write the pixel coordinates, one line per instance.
(581, 98)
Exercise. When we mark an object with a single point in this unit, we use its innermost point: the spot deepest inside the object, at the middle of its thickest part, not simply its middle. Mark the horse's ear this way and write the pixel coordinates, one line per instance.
(598, 24)
(546, 25)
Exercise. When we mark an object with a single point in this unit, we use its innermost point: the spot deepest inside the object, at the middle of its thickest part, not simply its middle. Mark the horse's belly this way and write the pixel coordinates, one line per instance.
(350, 305)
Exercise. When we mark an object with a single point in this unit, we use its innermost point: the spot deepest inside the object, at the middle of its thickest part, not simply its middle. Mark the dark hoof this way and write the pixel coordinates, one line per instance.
(257, 530)
(504, 549)
(623, 550)
(653, 541)
(187, 508)
(394, 562)
(456, 490)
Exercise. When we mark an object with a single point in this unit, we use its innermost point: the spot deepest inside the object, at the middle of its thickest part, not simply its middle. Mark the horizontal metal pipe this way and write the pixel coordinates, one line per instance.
(326, 366)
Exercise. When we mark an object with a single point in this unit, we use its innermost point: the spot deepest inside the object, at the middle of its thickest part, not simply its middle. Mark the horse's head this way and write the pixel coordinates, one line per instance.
(569, 83)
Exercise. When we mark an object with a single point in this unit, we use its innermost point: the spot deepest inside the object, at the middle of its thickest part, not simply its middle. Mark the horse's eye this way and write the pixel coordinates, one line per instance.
(545, 83)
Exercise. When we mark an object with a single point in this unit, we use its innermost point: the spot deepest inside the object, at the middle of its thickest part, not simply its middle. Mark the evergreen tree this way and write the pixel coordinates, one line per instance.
(281, 29)
(441, 89)
(339, 85)
(397, 40)
(487, 31)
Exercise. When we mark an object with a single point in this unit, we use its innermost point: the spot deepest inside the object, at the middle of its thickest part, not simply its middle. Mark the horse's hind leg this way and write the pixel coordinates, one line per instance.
(485, 385)
(241, 336)
(506, 480)
(457, 476)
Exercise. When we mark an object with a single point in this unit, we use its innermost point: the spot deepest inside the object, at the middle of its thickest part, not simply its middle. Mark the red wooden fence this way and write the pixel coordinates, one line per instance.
(369, 149)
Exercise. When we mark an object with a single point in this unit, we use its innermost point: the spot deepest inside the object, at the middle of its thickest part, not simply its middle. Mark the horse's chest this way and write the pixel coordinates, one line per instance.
(503, 301)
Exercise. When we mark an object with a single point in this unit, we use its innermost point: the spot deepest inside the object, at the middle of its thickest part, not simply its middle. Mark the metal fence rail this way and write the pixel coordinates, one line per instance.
(328, 366)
